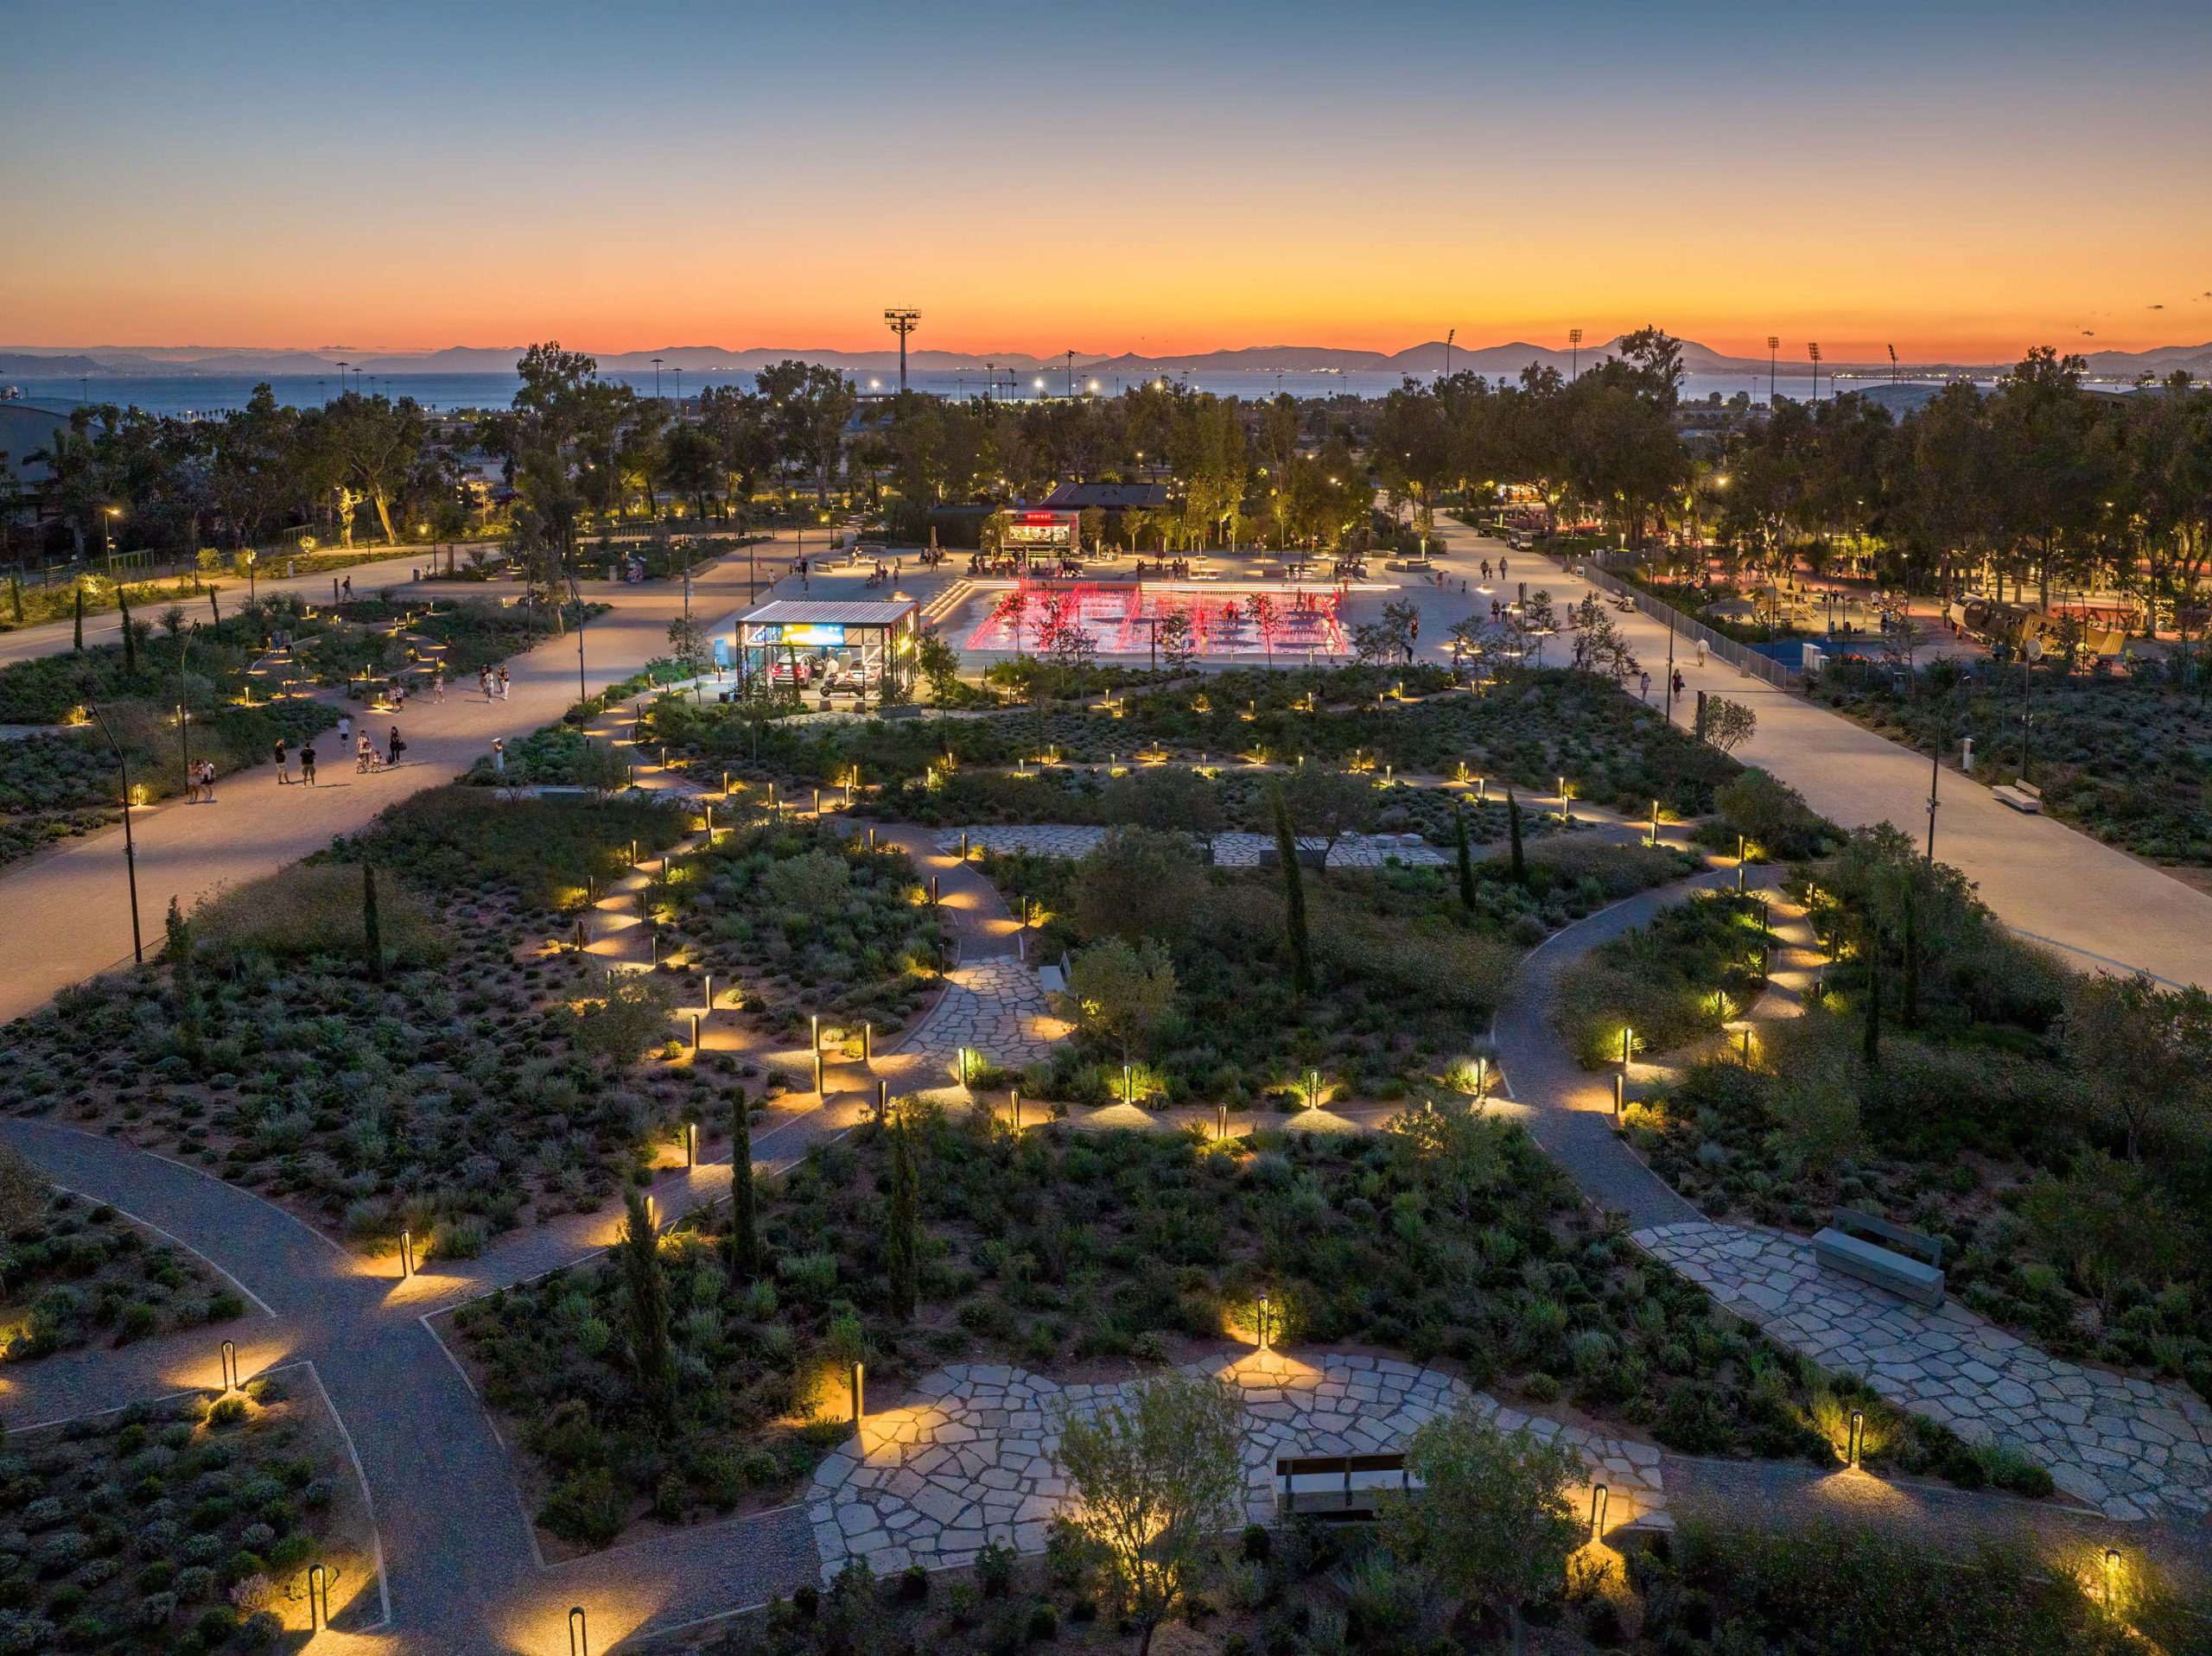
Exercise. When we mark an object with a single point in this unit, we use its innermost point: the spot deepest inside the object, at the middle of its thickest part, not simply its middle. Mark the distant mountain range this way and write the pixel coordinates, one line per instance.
(98, 362)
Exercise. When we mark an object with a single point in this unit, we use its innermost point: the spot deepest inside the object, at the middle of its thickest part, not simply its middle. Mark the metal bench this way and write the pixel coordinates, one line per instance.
(1843, 1247)
(1345, 1487)
(2021, 796)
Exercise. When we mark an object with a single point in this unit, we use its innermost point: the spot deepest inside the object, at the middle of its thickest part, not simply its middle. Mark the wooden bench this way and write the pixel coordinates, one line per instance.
(2021, 796)
(1347, 1487)
(1842, 1246)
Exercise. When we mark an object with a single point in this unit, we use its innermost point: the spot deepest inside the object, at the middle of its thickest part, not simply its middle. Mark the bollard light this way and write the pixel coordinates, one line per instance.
(964, 1066)
(867, 1041)
(406, 1253)
(695, 1032)
(1482, 1077)
(710, 824)
(820, 1091)
(710, 991)
(725, 784)
(579, 1632)
(1599, 1497)
(691, 1144)
(1854, 1444)
(817, 801)
(1655, 821)
(882, 1101)
(871, 838)
(814, 1030)
(933, 895)
(1628, 1038)
(860, 1393)
(1128, 1086)
(1016, 1096)
(1620, 1096)
(230, 1356)
(963, 845)
(634, 853)
(1263, 1322)
(318, 1598)
(1221, 1123)
(2112, 1580)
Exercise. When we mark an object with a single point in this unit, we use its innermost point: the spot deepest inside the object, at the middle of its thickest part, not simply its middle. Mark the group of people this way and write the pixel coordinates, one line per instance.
(1501, 568)
(1165, 569)
(492, 681)
(881, 576)
(284, 763)
(200, 782)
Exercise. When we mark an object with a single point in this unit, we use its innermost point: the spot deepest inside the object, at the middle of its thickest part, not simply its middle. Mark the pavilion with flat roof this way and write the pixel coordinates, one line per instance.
(869, 639)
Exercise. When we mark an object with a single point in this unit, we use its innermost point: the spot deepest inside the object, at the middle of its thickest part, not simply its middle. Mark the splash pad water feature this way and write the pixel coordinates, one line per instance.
(1227, 618)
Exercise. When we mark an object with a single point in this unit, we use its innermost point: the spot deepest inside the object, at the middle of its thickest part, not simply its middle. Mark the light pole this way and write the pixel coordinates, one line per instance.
(903, 320)
(656, 379)
(129, 846)
(1813, 351)
(1773, 359)
(1574, 345)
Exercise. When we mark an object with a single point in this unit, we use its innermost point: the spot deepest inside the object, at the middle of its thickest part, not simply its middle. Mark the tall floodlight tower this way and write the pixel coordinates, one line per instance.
(1574, 344)
(1893, 365)
(902, 322)
(1773, 358)
(1813, 351)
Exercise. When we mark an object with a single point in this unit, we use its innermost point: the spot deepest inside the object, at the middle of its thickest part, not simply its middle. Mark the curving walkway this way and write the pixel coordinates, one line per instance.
(2132, 1448)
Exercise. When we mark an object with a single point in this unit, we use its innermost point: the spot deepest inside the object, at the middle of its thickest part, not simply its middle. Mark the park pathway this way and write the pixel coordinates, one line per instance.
(2042, 878)
(69, 909)
(2131, 1447)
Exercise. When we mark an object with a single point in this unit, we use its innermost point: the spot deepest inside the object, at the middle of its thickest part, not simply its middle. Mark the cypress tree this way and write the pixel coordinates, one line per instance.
(1870, 946)
(130, 640)
(744, 1240)
(902, 1242)
(372, 928)
(1294, 892)
(645, 1291)
(1467, 858)
(78, 645)
(1513, 827)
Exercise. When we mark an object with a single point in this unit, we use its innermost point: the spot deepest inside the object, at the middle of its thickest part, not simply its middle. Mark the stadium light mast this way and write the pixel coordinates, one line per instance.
(1773, 357)
(902, 321)
(1574, 345)
(1813, 351)
(1450, 334)
(1893, 365)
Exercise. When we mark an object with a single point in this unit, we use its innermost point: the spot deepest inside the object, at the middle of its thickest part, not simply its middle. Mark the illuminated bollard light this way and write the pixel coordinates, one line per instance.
(691, 1144)
(579, 1632)
(318, 1598)
(406, 1253)
(814, 1030)
(1620, 1098)
(882, 1101)
(820, 1091)
(1854, 1443)
(933, 891)
(1017, 1108)
(1599, 1497)
(1221, 1123)
(229, 1362)
(867, 1041)
(695, 1032)
(858, 1380)
(1262, 1315)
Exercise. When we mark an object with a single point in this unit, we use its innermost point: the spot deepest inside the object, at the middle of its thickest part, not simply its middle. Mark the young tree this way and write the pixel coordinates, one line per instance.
(1137, 882)
(1294, 892)
(1493, 1521)
(1177, 647)
(1123, 989)
(2144, 1055)
(688, 642)
(1728, 725)
(1325, 804)
(1155, 1476)
(1464, 856)
(645, 1303)
(1599, 646)
(938, 662)
(902, 1224)
(1168, 798)
(744, 1242)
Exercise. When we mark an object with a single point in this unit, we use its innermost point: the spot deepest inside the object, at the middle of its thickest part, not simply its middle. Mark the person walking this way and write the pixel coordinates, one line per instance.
(283, 764)
(345, 587)
(365, 752)
(498, 755)
(1501, 568)
(505, 684)
(395, 747)
(1643, 687)
(307, 763)
(345, 728)
(438, 686)
(208, 780)
(484, 681)
(1679, 681)
(1700, 652)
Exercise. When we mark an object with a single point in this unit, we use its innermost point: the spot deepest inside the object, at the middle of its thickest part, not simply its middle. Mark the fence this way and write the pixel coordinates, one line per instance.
(1739, 656)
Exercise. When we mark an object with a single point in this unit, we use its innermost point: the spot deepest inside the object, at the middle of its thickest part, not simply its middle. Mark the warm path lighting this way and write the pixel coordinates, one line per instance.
(318, 1598)
(1854, 1445)
(1262, 1312)
(579, 1632)
(860, 1394)
(1599, 1497)
(229, 1358)
(406, 1253)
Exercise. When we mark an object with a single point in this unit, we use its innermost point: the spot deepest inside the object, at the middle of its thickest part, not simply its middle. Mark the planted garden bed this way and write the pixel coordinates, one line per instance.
(1448, 1237)
(75, 1272)
(184, 1526)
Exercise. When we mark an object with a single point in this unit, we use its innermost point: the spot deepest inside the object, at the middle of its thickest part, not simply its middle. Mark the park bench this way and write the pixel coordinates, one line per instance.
(1917, 1279)
(2021, 796)
(1345, 1487)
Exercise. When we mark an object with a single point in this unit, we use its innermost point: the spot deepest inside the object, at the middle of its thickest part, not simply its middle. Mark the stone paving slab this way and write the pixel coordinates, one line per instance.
(993, 1006)
(2132, 1448)
(971, 1459)
(1237, 850)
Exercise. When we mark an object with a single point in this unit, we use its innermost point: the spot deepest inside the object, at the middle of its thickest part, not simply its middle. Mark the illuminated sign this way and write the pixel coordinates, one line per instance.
(830, 635)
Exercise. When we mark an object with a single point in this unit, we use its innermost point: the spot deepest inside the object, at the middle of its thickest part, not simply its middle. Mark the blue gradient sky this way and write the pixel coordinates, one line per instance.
(1964, 180)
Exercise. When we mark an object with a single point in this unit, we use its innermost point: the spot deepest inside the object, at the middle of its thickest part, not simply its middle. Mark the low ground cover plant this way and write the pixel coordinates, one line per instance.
(74, 1273)
(184, 1526)
(1526, 728)
(465, 1076)
(1695, 967)
(1448, 1237)
(1405, 969)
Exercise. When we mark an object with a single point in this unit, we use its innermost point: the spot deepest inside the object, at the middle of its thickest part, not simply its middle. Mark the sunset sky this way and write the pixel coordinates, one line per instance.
(1964, 180)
